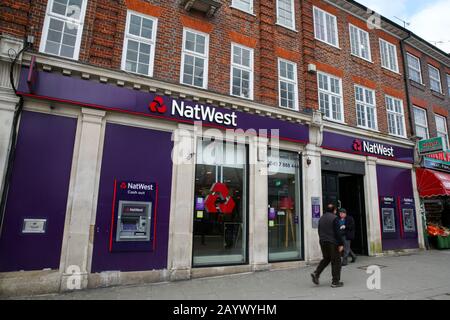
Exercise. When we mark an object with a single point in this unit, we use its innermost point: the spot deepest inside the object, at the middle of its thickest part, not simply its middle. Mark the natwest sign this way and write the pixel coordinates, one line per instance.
(373, 148)
(195, 112)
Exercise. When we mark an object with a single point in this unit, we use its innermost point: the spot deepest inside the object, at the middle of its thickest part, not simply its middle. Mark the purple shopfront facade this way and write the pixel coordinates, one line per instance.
(394, 185)
(129, 154)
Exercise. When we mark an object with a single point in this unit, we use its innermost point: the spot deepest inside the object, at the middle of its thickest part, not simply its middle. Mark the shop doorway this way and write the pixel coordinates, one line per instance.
(346, 190)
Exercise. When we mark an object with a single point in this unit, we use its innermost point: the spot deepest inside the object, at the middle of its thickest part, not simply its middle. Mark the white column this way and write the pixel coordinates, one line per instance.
(182, 203)
(312, 187)
(258, 204)
(83, 205)
(419, 212)
(372, 207)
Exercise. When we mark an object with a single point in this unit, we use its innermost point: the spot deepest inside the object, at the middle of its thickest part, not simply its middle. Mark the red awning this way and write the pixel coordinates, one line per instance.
(432, 183)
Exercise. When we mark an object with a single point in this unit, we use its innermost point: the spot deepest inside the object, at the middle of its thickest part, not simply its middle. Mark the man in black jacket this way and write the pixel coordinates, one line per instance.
(332, 245)
(348, 231)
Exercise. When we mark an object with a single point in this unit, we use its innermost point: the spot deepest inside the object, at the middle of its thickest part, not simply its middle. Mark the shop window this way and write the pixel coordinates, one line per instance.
(330, 97)
(241, 71)
(194, 65)
(435, 79)
(287, 77)
(63, 27)
(414, 69)
(139, 44)
(365, 108)
(396, 118)
(220, 209)
(284, 207)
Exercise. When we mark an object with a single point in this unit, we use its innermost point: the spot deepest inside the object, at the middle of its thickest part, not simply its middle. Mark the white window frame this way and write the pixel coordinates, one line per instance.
(448, 84)
(396, 114)
(290, 81)
(366, 105)
(139, 39)
(80, 22)
(292, 15)
(421, 125)
(330, 94)
(326, 40)
(383, 63)
(358, 36)
(204, 56)
(409, 55)
(445, 133)
(432, 78)
(245, 68)
(235, 5)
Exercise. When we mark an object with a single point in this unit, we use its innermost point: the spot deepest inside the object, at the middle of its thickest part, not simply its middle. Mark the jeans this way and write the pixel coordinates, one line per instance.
(348, 251)
(331, 254)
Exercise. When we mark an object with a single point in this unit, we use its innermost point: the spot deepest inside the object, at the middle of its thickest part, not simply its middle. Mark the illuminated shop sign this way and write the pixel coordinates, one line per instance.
(373, 148)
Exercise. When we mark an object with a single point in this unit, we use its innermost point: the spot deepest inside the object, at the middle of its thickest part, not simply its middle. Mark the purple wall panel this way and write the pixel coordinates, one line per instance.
(133, 154)
(38, 189)
(396, 182)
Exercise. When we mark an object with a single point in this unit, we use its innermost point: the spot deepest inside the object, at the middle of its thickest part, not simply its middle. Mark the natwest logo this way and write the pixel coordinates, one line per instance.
(136, 186)
(157, 105)
(373, 148)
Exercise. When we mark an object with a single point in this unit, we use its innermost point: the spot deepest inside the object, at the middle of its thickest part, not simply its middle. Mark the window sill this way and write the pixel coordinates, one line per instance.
(335, 121)
(391, 72)
(369, 129)
(438, 94)
(327, 43)
(397, 136)
(285, 27)
(248, 99)
(360, 59)
(244, 11)
(417, 85)
(290, 109)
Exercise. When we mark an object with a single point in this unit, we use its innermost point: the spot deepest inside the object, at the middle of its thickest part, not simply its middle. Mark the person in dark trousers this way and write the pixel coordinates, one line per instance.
(332, 246)
(347, 227)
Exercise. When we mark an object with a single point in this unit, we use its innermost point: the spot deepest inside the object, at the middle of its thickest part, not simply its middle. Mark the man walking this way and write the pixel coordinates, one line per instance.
(331, 243)
(348, 231)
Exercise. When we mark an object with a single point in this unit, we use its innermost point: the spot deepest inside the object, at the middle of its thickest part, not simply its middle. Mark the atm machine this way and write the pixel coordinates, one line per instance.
(134, 221)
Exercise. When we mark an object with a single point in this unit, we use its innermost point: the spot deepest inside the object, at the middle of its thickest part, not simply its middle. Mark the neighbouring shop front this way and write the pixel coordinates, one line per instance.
(345, 179)
(121, 221)
(433, 183)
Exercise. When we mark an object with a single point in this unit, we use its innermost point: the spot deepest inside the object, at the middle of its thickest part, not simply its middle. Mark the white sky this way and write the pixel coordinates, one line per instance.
(429, 19)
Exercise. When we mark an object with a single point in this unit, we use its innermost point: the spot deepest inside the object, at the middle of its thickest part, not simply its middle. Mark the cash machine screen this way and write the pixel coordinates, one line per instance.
(134, 220)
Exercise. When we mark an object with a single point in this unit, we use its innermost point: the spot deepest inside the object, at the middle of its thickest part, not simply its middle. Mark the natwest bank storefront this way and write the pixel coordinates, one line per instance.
(143, 185)
(375, 181)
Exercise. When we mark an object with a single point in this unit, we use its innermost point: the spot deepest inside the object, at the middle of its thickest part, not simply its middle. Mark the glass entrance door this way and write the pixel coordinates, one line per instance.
(220, 213)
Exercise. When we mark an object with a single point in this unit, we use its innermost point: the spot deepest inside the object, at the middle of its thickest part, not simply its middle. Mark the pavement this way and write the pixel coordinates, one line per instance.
(423, 275)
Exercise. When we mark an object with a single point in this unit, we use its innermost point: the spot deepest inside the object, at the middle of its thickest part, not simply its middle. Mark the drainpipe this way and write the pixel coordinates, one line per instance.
(17, 113)
(406, 79)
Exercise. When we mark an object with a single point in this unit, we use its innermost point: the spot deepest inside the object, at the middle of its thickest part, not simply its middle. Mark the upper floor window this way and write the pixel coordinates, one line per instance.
(330, 97)
(448, 84)
(286, 13)
(388, 55)
(395, 115)
(194, 62)
(360, 43)
(365, 108)
(139, 44)
(441, 128)
(325, 27)
(414, 69)
(244, 5)
(63, 27)
(421, 122)
(287, 78)
(435, 79)
(241, 71)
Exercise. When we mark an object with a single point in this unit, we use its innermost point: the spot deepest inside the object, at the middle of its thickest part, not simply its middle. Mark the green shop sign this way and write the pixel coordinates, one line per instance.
(432, 145)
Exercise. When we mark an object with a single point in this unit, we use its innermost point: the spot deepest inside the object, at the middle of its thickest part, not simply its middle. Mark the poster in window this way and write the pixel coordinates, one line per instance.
(408, 220)
(388, 217)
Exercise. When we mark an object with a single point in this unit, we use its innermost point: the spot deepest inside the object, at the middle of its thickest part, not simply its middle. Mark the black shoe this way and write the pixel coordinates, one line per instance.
(353, 259)
(315, 278)
(344, 262)
(337, 284)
